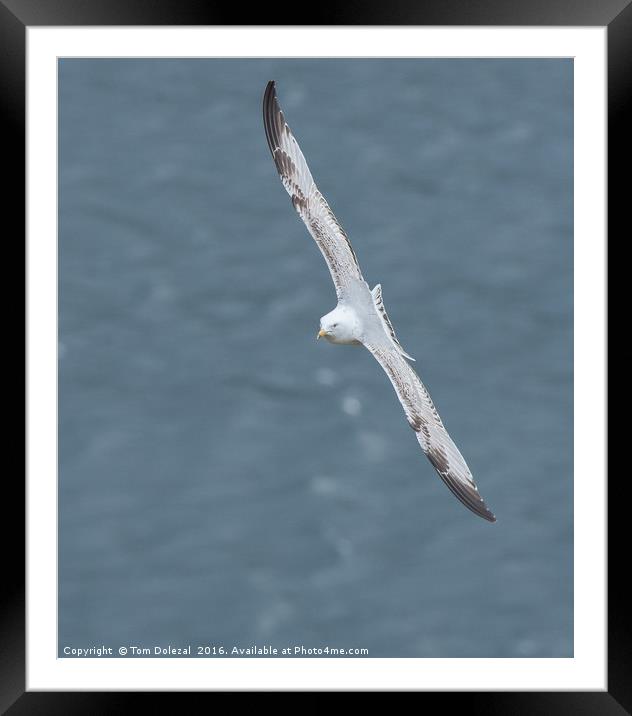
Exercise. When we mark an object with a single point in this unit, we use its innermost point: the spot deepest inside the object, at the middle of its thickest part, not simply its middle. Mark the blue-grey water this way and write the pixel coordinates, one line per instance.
(226, 480)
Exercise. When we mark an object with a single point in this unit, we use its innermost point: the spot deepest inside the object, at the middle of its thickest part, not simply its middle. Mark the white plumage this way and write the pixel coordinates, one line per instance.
(360, 316)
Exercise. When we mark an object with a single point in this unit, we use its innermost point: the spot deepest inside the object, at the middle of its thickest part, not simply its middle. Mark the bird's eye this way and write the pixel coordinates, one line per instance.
(335, 325)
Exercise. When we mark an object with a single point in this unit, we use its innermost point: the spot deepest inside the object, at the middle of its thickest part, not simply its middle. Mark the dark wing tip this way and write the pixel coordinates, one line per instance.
(271, 115)
(469, 497)
(478, 507)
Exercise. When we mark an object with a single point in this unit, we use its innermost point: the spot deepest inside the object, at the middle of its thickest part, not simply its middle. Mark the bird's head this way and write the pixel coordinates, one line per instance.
(338, 327)
(327, 330)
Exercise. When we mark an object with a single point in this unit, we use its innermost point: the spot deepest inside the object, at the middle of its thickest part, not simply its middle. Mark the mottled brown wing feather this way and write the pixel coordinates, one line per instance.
(424, 419)
(306, 199)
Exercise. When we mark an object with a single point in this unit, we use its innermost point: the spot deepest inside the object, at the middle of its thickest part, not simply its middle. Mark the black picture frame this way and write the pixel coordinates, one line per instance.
(17, 15)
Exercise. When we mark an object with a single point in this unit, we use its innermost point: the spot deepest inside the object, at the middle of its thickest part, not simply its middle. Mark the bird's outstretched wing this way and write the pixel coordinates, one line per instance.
(423, 418)
(307, 200)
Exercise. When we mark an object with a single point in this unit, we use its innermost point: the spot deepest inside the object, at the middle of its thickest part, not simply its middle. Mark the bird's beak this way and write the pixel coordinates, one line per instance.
(321, 333)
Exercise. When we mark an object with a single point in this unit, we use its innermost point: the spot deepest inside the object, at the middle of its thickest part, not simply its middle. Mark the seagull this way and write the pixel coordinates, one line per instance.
(359, 317)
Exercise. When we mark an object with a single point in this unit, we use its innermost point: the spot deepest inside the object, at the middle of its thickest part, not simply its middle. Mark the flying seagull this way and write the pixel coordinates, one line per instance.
(360, 317)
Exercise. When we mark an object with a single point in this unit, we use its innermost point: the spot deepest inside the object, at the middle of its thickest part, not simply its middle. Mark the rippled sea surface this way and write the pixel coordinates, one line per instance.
(224, 479)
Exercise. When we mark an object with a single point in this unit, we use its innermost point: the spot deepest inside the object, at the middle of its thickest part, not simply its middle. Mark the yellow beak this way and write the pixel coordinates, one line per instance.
(321, 333)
